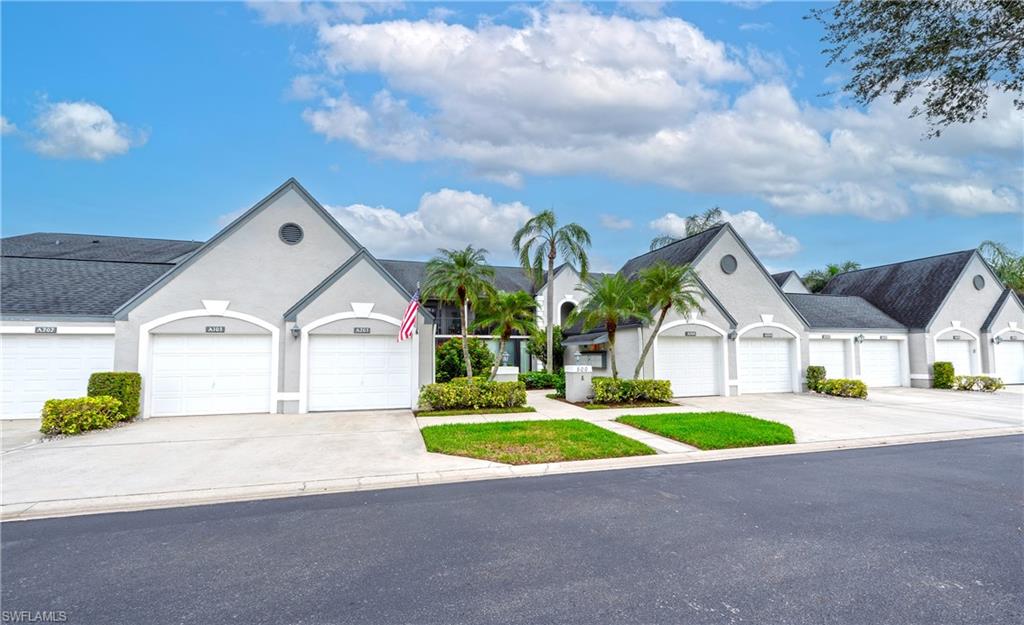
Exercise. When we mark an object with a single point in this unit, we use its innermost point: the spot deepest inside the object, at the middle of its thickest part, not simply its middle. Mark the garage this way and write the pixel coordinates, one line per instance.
(957, 352)
(1009, 356)
(201, 374)
(693, 365)
(352, 372)
(880, 363)
(37, 367)
(766, 365)
(831, 354)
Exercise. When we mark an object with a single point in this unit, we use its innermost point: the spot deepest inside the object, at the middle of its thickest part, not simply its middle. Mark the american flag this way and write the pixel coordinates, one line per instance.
(409, 318)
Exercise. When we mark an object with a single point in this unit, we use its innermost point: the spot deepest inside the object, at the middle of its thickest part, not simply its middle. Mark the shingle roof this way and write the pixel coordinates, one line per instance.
(95, 247)
(780, 278)
(1007, 293)
(910, 292)
(50, 286)
(841, 311)
(679, 253)
(410, 272)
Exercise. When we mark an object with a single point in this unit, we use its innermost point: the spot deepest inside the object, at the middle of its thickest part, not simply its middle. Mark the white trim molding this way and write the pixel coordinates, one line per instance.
(60, 329)
(723, 374)
(766, 322)
(145, 363)
(976, 350)
(362, 313)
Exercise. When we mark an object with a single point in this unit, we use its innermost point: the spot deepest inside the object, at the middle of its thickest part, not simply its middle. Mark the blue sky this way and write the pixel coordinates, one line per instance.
(423, 125)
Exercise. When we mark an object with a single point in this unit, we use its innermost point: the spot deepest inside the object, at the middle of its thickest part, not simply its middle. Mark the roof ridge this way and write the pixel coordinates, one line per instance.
(903, 262)
(92, 260)
(676, 242)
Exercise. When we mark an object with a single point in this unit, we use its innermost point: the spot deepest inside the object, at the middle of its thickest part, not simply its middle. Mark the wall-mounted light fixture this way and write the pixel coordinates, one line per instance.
(732, 335)
(296, 332)
(859, 338)
(997, 340)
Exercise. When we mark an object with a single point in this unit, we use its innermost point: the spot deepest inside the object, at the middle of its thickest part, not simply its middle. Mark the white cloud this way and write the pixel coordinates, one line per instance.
(305, 87)
(615, 223)
(574, 91)
(446, 218)
(643, 9)
(82, 130)
(763, 237)
(756, 26)
(969, 199)
(6, 126)
(299, 12)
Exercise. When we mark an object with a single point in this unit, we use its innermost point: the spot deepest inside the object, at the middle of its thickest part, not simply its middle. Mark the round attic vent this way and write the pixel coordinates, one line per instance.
(290, 233)
(728, 263)
(979, 282)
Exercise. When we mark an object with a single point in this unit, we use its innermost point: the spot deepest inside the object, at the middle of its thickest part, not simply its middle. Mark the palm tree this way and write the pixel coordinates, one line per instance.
(610, 299)
(460, 277)
(506, 313)
(695, 224)
(541, 239)
(816, 279)
(1008, 265)
(668, 287)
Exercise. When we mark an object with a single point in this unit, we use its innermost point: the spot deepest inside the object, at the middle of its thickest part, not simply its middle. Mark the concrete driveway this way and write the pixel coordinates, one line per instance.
(234, 456)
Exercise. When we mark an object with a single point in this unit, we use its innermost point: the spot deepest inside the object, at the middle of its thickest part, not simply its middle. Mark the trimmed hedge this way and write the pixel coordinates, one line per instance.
(620, 391)
(943, 375)
(541, 379)
(843, 387)
(477, 393)
(983, 383)
(124, 386)
(449, 363)
(81, 414)
(815, 376)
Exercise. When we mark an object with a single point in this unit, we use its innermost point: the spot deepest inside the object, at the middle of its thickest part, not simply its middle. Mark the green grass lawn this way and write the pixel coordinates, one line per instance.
(713, 430)
(450, 413)
(530, 442)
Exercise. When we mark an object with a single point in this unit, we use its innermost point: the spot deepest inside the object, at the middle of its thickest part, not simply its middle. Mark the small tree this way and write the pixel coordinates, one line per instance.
(610, 300)
(537, 346)
(460, 277)
(667, 287)
(449, 361)
(505, 313)
(1006, 263)
(695, 224)
(816, 279)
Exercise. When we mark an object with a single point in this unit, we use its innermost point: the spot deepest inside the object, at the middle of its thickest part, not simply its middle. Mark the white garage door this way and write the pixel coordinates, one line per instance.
(831, 354)
(956, 352)
(880, 363)
(766, 365)
(1010, 362)
(692, 364)
(54, 366)
(349, 372)
(197, 374)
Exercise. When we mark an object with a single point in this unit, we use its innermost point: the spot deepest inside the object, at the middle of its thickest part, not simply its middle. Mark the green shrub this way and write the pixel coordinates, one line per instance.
(73, 416)
(984, 383)
(843, 387)
(815, 376)
(450, 364)
(943, 375)
(537, 345)
(560, 386)
(124, 386)
(462, 393)
(541, 379)
(620, 391)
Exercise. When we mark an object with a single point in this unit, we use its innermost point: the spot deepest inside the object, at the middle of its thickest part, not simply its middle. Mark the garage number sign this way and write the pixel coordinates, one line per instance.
(46, 329)
(691, 333)
(215, 329)
(767, 335)
(360, 330)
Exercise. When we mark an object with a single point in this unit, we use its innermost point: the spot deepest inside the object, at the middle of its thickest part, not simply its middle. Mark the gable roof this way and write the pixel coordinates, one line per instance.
(409, 273)
(96, 247)
(680, 252)
(1007, 294)
(290, 184)
(780, 278)
(841, 311)
(66, 287)
(910, 292)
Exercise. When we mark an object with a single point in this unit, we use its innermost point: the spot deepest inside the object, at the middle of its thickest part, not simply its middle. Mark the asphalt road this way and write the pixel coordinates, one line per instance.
(928, 534)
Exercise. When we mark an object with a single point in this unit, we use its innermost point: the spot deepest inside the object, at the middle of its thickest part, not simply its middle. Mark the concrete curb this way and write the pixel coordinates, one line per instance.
(147, 501)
